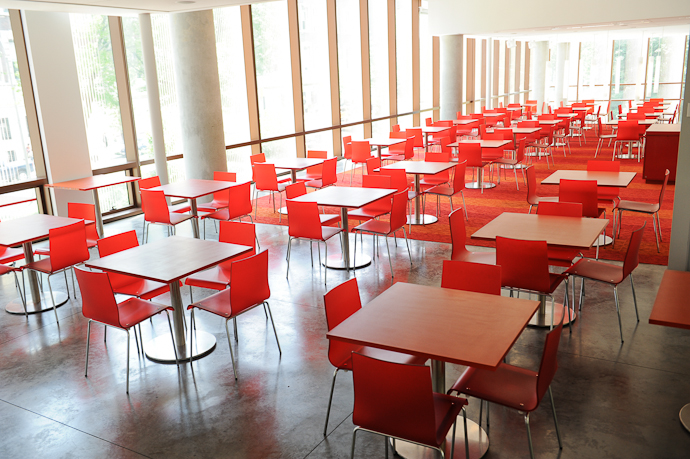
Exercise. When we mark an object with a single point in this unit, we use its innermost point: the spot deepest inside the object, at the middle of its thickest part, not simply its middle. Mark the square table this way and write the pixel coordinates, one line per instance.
(549, 122)
(644, 122)
(485, 145)
(346, 198)
(523, 131)
(444, 325)
(168, 261)
(192, 189)
(92, 184)
(24, 231)
(603, 178)
(566, 115)
(426, 130)
(383, 142)
(464, 122)
(671, 310)
(418, 168)
(296, 164)
(574, 232)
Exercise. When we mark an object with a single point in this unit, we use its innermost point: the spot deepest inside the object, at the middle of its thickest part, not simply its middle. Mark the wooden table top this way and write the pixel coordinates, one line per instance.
(491, 115)
(170, 259)
(581, 109)
(659, 128)
(647, 122)
(345, 196)
(562, 231)
(483, 143)
(464, 122)
(549, 122)
(525, 130)
(297, 164)
(30, 228)
(194, 188)
(420, 167)
(566, 115)
(91, 183)
(513, 109)
(620, 179)
(384, 142)
(454, 326)
(671, 307)
(434, 129)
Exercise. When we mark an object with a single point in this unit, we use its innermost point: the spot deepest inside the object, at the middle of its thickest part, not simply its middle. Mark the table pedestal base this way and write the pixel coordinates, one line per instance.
(478, 443)
(44, 304)
(160, 349)
(684, 416)
(336, 261)
(422, 219)
(543, 320)
(282, 210)
(626, 156)
(478, 185)
(602, 241)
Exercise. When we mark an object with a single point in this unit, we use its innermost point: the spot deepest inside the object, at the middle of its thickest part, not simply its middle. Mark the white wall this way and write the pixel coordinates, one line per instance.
(493, 16)
(60, 113)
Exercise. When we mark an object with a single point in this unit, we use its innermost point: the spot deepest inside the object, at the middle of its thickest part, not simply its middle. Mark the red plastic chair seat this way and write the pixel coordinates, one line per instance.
(8, 254)
(366, 214)
(142, 288)
(4, 269)
(596, 270)
(429, 180)
(374, 226)
(135, 310)
(446, 410)
(381, 354)
(508, 386)
(561, 256)
(219, 304)
(328, 232)
(182, 208)
(638, 206)
(393, 158)
(216, 278)
(212, 206)
(329, 219)
(443, 189)
(43, 266)
(225, 215)
(178, 218)
(487, 258)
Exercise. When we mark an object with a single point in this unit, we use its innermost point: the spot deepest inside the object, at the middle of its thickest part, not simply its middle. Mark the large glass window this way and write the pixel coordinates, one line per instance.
(16, 155)
(274, 77)
(350, 66)
(595, 67)
(137, 85)
(378, 65)
(628, 70)
(426, 64)
(316, 75)
(233, 88)
(665, 69)
(403, 59)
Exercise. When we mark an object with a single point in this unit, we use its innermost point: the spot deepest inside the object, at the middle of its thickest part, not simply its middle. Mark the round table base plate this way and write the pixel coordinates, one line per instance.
(283, 210)
(424, 219)
(684, 416)
(45, 304)
(160, 349)
(602, 241)
(479, 443)
(336, 261)
(476, 186)
(544, 321)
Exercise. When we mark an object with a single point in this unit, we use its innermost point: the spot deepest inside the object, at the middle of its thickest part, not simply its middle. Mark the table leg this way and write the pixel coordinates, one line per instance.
(293, 175)
(346, 259)
(480, 183)
(99, 216)
(477, 437)
(542, 319)
(379, 149)
(684, 416)
(418, 218)
(159, 349)
(38, 301)
(195, 222)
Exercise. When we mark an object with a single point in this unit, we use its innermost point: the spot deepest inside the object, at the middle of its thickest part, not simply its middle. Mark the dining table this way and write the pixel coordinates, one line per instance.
(192, 189)
(570, 232)
(603, 178)
(380, 142)
(92, 184)
(23, 231)
(486, 146)
(168, 261)
(445, 326)
(418, 168)
(429, 130)
(346, 198)
(294, 164)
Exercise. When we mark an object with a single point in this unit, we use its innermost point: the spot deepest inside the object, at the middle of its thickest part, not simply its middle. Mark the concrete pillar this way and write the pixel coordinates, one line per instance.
(198, 93)
(154, 98)
(679, 252)
(561, 72)
(451, 75)
(541, 56)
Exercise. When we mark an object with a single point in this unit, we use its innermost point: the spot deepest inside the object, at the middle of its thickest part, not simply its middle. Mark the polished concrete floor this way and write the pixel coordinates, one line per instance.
(613, 400)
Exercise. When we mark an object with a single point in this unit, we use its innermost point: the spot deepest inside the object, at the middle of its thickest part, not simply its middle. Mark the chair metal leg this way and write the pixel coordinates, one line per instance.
(325, 268)
(232, 357)
(467, 444)
(64, 273)
(632, 285)
(128, 340)
(555, 419)
(354, 437)
(172, 336)
(618, 310)
(582, 292)
(234, 329)
(529, 436)
(53, 300)
(330, 401)
(288, 258)
(88, 342)
(191, 343)
(390, 262)
(280, 351)
(408, 246)
(656, 236)
(658, 225)
(22, 296)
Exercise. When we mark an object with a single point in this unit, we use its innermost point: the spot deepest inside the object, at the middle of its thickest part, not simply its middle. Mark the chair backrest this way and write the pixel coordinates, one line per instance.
(376, 181)
(428, 121)
(417, 134)
(340, 303)
(86, 212)
(439, 157)
(240, 233)
(520, 155)
(398, 178)
(295, 190)
(398, 148)
(265, 177)
(459, 176)
(97, 298)
(68, 245)
(549, 363)
(155, 206)
(221, 197)
(319, 154)
(636, 116)
(409, 147)
(458, 233)
(583, 191)
(562, 209)
(257, 158)
(149, 182)
(399, 210)
(628, 130)
(394, 399)
(372, 164)
(473, 277)
(524, 264)
(361, 151)
(663, 188)
(239, 200)
(249, 282)
(347, 147)
(329, 174)
(631, 259)
(470, 152)
(532, 198)
(303, 220)
(395, 128)
(117, 243)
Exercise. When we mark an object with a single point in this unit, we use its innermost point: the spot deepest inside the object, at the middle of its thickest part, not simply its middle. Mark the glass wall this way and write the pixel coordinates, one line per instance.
(426, 65)
(665, 71)
(378, 67)
(350, 66)
(403, 60)
(137, 85)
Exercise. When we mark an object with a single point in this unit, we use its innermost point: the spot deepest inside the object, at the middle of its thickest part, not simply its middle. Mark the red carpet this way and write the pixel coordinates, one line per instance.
(482, 208)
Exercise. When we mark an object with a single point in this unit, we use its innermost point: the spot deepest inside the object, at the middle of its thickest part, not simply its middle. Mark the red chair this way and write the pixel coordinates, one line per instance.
(68, 248)
(400, 182)
(315, 172)
(4, 269)
(441, 178)
(218, 277)
(300, 189)
(418, 141)
(340, 303)
(586, 268)
(347, 151)
(156, 212)
(532, 198)
(377, 208)
(458, 236)
(372, 165)
(516, 387)
(122, 283)
(361, 151)
(628, 133)
(396, 400)
(265, 179)
(514, 163)
(606, 194)
(86, 212)
(561, 256)
(304, 223)
(220, 198)
(386, 228)
(457, 186)
(644, 208)
(525, 267)
(585, 192)
(99, 305)
(602, 137)
(249, 289)
(472, 277)
(239, 206)
(406, 153)
(395, 128)
(472, 154)
(329, 175)
(9, 255)
(150, 182)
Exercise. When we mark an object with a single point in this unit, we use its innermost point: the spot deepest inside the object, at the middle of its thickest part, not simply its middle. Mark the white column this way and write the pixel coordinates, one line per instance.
(541, 56)
(451, 75)
(154, 98)
(561, 72)
(198, 93)
(58, 102)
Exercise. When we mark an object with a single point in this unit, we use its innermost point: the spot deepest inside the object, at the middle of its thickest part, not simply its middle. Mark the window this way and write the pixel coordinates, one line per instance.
(378, 67)
(350, 66)
(426, 64)
(403, 59)
(5, 129)
(665, 69)
(11, 156)
(628, 70)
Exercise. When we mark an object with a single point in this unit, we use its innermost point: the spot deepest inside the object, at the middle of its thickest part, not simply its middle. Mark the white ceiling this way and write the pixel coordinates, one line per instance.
(120, 7)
